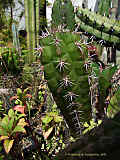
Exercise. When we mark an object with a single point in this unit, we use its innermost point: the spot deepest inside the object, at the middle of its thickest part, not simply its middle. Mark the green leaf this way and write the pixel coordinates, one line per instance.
(11, 122)
(86, 125)
(19, 92)
(19, 129)
(17, 101)
(47, 119)
(20, 116)
(22, 122)
(3, 132)
(8, 145)
(58, 119)
(25, 91)
(5, 122)
(86, 130)
(0, 148)
(3, 138)
(11, 113)
(51, 114)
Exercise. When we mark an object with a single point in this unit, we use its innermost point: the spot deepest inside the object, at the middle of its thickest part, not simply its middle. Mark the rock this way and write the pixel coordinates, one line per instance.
(101, 143)
(4, 91)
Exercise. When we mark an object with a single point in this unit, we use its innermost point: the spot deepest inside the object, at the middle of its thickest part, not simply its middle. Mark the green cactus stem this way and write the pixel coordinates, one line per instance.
(96, 21)
(67, 77)
(35, 20)
(63, 14)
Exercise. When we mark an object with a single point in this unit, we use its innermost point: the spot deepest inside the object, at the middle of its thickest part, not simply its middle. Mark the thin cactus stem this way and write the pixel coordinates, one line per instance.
(79, 124)
(27, 22)
(37, 10)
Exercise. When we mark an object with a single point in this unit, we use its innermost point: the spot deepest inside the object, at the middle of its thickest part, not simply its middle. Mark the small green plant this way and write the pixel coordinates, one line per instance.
(52, 116)
(52, 130)
(22, 100)
(10, 61)
(12, 124)
(91, 125)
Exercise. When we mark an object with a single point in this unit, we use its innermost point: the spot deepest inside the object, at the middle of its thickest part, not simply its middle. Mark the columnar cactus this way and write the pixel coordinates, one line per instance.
(63, 14)
(35, 18)
(104, 6)
(64, 58)
(76, 77)
(100, 28)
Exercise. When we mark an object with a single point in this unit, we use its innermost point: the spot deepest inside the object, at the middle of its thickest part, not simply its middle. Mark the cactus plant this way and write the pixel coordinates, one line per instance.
(65, 59)
(34, 15)
(99, 26)
(67, 78)
(16, 42)
(104, 6)
(98, 21)
(63, 14)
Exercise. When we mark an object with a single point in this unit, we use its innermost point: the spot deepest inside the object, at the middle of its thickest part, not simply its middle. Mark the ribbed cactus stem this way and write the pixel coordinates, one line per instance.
(16, 42)
(35, 18)
(26, 4)
(37, 21)
(33, 23)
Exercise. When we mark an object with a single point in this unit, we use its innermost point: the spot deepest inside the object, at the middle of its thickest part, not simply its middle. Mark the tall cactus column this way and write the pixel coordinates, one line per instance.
(27, 18)
(63, 14)
(33, 15)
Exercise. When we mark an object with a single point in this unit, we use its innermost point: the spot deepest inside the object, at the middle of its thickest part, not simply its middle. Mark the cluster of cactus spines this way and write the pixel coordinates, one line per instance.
(62, 65)
(44, 34)
(70, 96)
(78, 124)
(116, 80)
(66, 82)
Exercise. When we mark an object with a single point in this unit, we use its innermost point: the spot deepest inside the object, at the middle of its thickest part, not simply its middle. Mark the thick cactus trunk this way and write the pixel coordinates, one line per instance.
(67, 78)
